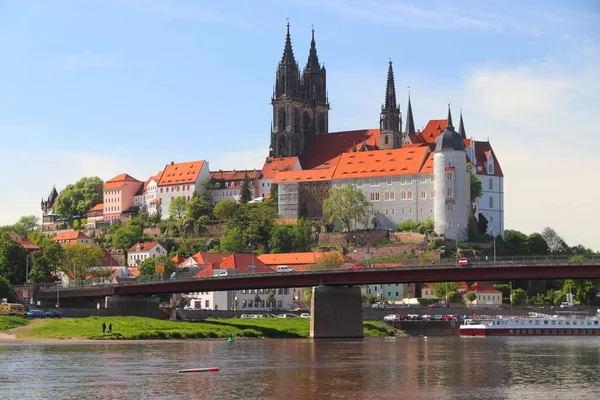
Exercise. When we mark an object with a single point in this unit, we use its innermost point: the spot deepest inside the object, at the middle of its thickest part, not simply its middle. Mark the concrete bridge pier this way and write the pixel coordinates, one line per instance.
(336, 312)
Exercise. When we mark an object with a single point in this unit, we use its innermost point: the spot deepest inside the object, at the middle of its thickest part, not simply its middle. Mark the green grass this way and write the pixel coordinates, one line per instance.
(146, 328)
(7, 322)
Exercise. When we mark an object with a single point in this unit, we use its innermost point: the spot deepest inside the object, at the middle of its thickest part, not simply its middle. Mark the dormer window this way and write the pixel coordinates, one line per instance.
(226, 184)
(138, 248)
(218, 184)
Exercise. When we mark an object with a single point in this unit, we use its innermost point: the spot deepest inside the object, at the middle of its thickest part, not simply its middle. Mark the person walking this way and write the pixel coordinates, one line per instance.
(110, 327)
(103, 327)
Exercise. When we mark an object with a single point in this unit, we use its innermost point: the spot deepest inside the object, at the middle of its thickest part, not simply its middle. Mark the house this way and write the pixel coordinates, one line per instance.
(141, 251)
(487, 295)
(150, 194)
(427, 291)
(94, 216)
(300, 261)
(271, 167)
(180, 180)
(73, 237)
(227, 185)
(25, 244)
(119, 193)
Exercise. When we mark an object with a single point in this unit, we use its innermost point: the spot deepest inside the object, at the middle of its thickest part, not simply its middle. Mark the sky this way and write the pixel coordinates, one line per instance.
(102, 87)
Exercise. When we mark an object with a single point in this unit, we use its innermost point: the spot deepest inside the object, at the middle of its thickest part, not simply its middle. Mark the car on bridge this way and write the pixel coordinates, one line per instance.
(53, 314)
(355, 266)
(379, 304)
(35, 314)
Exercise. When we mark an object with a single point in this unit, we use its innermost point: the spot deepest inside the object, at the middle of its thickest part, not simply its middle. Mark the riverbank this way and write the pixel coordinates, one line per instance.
(140, 328)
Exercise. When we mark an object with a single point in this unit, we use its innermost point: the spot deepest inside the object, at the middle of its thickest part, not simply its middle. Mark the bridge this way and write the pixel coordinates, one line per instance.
(336, 290)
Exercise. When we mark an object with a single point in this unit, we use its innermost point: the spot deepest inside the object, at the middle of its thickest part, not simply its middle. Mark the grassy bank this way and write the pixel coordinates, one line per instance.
(146, 328)
(8, 322)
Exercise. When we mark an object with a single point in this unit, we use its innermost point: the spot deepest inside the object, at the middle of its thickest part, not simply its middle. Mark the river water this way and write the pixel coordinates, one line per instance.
(390, 368)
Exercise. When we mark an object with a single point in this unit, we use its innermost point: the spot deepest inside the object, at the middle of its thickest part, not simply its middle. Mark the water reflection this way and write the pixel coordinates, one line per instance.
(433, 368)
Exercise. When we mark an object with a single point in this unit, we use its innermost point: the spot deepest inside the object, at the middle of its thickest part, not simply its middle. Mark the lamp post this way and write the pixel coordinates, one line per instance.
(457, 229)
(494, 236)
(510, 294)
(253, 266)
(316, 235)
(98, 308)
(57, 294)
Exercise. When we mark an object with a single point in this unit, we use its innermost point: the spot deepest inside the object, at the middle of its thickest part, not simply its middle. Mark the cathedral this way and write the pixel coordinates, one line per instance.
(407, 174)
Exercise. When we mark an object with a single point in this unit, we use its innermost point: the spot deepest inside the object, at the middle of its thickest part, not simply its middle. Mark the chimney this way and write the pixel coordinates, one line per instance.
(172, 162)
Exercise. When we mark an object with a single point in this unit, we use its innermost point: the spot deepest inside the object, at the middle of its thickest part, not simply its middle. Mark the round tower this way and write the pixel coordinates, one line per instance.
(452, 185)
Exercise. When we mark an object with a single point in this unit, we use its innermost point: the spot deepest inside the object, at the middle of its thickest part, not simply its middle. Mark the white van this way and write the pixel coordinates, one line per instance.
(284, 268)
(220, 273)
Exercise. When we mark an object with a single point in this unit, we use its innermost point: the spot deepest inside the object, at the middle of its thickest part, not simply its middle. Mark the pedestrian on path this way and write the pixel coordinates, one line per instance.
(103, 327)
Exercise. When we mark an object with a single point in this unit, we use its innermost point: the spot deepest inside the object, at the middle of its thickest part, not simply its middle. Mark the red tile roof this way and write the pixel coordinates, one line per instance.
(274, 165)
(240, 263)
(234, 175)
(155, 178)
(134, 271)
(29, 245)
(177, 259)
(202, 257)
(323, 148)
(143, 246)
(97, 207)
(107, 259)
(432, 130)
(366, 164)
(483, 287)
(292, 259)
(70, 237)
(179, 173)
(118, 181)
(482, 152)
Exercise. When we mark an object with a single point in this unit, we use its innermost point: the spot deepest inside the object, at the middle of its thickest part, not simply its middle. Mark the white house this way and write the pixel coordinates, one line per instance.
(271, 167)
(180, 180)
(141, 251)
(150, 194)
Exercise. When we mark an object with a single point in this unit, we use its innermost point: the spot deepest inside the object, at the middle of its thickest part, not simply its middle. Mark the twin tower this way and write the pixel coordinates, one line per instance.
(301, 105)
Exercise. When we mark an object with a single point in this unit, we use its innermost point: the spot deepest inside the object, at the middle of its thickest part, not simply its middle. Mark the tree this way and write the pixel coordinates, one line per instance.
(245, 192)
(282, 239)
(224, 210)
(440, 288)
(147, 267)
(476, 188)
(302, 235)
(471, 296)
(6, 290)
(233, 241)
(274, 192)
(80, 259)
(583, 290)
(536, 245)
(259, 222)
(426, 227)
(126, 235)
(76, 199)
(513, 244)
(196, 208)
(407, 226)
(518, 295)
(205, 193)
(346, 206)
(271, 299)
(482, 225)
(12, 260)
(555, 243)
(177, 208)
(257, 300)
(46, 263)
(26, 225)
(331, 260)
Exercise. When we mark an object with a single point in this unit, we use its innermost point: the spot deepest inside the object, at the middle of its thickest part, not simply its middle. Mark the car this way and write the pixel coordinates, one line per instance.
(53, 314)
(448, 318)
(438, 317)
(400, 317)
(566, 304)
(286, 316)
(426, 317)
(355, 266)
(35, 314)
(436, 305)
(305, 315)
(269, 316)
(390, 318)
(379, 304)
(221, 273)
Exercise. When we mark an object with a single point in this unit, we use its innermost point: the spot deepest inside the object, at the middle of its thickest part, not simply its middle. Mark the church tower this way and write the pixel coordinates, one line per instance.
(315, 115)
(390, 121)
(287, 139)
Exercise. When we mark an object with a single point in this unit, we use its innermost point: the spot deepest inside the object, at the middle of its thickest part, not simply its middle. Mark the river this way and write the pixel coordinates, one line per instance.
(390, 368)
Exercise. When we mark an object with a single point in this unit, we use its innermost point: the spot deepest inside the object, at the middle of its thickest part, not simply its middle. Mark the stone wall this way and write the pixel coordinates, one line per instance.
(408, 237)
(371, 237)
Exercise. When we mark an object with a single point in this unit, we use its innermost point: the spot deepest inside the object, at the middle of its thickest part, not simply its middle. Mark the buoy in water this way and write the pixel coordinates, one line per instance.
(210, 369)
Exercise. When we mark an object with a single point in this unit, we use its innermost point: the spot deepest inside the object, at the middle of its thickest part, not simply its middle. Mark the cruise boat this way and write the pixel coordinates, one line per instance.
(535, 324)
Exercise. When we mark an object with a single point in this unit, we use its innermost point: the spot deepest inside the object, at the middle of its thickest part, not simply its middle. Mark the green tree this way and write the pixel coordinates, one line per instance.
(271, 299)
(177, 208)
(257, 300)
(26, 225)
(536, 245)
(259, 223)
(347, 207)
(233, 241)
(126, 235)
(518, 295)
(196, 208)
(282, 239)
(331, 260)
(274, 192)
(12, 260)
(80, 259)
(426, 227)
(482, 225)
(78, 198)
(224, 210)
(6, 290)
(513, 244)
(245, 191)
(147, 267)
(46, 263)
(471, 296)
(302, 235)
(555, 243)
(40, 239)
(205, 193)
(407, 226)
(476, 188)
(440, 288)
(583, 290)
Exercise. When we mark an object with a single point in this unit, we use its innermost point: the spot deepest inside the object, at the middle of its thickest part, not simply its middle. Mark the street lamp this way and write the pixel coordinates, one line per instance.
(457, 229)
(316, 235)
(494, 236)
(57, 294)
(98, 308)
(511, 294)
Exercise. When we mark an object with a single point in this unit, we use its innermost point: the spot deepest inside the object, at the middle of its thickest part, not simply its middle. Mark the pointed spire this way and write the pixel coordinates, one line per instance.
(288, 52)
(461, 127)
(390, 89)
(410, 122)
(449, 125)
(313, 60)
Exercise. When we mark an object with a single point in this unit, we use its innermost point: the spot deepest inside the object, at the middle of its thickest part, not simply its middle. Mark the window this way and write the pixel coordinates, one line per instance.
(491, 184)
(374, 196)
(226, 184)
(432, 194)
(448, 207)
(448, 164)
(374, 181)
(449, 176)
(491, 202)
(409, 195)
(408, 180)
(403, 195)
(389, 180)
(423, 194)
(449, 192)
(423, 178)
(421, 210)
(449, 223)
(389, 195)
(207, 303)
(361, 183)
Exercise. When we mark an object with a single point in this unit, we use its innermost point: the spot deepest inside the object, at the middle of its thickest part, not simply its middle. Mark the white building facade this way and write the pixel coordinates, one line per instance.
(180, 180)
(142, 251)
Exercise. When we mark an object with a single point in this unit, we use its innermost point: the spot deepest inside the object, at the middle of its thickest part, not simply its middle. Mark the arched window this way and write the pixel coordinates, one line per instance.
(491, 202)
(491, 184)
(386, 140)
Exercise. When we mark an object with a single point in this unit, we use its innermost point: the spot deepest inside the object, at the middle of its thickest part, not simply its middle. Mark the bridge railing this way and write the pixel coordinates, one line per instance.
(472, 262)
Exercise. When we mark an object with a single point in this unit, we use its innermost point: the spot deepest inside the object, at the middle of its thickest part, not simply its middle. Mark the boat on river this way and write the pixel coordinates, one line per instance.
(534, 324)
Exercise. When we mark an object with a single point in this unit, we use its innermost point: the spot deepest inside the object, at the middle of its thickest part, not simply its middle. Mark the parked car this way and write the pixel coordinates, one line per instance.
(53, 314)
(379, 304)
(35, 314)
(448, 318)
(438, 317)
(390, 318)
(426, 317)
(436, 305)
(355, 266)
(286, 316)
(305, 315)
(400, 317)
(269, 316)
(566, 304)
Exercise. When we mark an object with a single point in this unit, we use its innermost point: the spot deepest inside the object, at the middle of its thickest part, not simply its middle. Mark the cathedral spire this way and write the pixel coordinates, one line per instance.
(461, 127)
(410, 122)
(449, 125)
(288, 52)
(390, 90)
(313, 60)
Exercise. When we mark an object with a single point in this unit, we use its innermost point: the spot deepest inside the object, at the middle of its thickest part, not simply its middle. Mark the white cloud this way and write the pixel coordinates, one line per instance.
(86, 60)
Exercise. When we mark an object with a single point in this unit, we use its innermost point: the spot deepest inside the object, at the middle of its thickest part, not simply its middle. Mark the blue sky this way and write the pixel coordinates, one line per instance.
(104, 87)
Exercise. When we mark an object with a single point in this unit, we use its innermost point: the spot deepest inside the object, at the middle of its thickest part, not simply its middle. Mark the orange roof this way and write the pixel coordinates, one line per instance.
(432, 130)
(134, 271)
(202, 257)
(364, 164)
(97, 207)
(312, 175)
(143, 246)
(296, 258)
(178, 173)
(427, 167)
(234, 175)
(274, 165)
(323, 148)
(483, 287)
(240, 262)
(156, 178)
(71, 236)
(178, 259)
(107, 259)
(118, 181)
(427, 285)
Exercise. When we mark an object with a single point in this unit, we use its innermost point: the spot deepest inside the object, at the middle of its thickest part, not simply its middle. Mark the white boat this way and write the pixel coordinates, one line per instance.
(535, 324)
